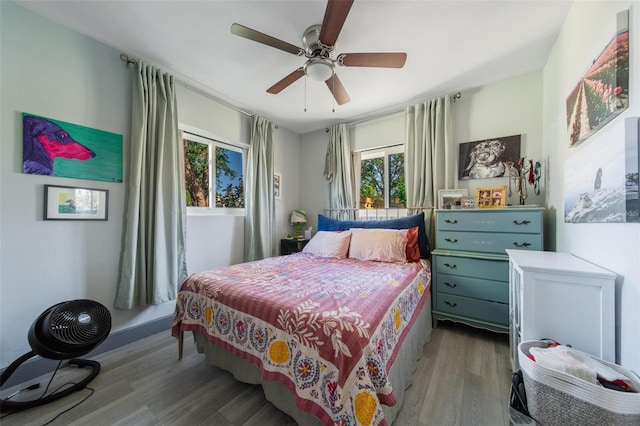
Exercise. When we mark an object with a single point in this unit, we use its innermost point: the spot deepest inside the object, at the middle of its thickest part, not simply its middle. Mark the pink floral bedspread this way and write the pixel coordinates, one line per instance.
(328, 329)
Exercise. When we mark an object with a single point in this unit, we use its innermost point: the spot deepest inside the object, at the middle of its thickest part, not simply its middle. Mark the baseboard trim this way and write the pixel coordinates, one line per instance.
(38, 366)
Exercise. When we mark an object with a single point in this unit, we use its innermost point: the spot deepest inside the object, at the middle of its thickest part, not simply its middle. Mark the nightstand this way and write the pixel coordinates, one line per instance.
(292, 245)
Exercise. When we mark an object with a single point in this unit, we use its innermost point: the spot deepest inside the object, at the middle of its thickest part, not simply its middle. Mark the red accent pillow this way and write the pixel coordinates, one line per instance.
(413, 246)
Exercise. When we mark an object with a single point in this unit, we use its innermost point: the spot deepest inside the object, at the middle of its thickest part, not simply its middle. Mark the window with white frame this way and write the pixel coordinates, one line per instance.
(382, 178)
(214, 174)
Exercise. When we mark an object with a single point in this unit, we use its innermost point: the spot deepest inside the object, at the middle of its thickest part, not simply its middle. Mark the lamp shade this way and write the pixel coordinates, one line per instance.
(298, 216)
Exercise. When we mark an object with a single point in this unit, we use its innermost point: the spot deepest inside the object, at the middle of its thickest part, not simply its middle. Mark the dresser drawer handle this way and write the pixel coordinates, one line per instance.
(450, 266)
(453, 305)
(524, 222)
(449, 240)
(454, 221)
(521, 245)
(450, 285)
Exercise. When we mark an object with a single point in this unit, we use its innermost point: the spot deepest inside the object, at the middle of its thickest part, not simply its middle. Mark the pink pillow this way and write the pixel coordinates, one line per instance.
(329, 244)
(382, 245)
(413, 246)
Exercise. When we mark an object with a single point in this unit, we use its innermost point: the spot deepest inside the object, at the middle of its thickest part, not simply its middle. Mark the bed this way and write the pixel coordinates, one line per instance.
(332, 334)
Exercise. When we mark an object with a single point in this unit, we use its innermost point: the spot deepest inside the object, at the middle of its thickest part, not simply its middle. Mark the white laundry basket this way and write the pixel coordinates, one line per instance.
(558, 398)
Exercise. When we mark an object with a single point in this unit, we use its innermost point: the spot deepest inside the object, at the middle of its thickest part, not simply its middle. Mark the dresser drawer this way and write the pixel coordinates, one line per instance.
(487, 242)
(473, 308)
(497, 270)
(494, 291)
(519, 221)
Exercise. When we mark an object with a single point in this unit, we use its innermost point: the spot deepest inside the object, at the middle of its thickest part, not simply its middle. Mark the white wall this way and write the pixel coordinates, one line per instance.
(510, 107)
(588, 28)
(51, 71)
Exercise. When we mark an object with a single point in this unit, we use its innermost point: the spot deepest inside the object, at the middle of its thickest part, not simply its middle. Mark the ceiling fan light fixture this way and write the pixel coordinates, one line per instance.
(319, 69)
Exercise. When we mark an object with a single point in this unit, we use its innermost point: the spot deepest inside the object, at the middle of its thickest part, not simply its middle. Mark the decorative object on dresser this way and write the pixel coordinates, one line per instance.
(491, 197)
(542, 288)
(298, 218)
(451, 198)
(292, 245)
(520, 174)
(471, 267)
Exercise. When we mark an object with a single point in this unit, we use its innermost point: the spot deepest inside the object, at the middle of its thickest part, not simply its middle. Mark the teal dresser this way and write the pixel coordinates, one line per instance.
(471, 267)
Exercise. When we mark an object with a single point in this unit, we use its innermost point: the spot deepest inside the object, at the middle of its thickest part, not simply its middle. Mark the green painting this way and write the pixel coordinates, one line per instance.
(57, 148)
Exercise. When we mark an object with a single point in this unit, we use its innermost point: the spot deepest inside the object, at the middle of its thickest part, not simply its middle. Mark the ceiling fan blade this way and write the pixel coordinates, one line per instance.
(242, 31)
(286, 82)
(334, 16)
(380, 60)
(337, 89)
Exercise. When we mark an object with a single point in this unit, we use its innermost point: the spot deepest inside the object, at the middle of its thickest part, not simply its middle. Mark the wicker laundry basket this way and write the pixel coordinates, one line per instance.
(558, 398)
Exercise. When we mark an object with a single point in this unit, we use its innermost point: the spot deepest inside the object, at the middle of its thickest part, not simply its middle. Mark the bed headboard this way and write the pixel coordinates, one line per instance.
(326, 223)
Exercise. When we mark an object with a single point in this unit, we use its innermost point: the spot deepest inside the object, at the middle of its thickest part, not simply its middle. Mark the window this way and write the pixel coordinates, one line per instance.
(382, 178)
(214, 175)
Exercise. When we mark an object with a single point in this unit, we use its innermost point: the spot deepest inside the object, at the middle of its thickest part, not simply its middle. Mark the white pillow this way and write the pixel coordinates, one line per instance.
(382, 245)
(329, 244)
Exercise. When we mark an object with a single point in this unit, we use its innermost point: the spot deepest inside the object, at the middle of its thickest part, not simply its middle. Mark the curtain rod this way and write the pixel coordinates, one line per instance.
(374, 117)
(126, 58)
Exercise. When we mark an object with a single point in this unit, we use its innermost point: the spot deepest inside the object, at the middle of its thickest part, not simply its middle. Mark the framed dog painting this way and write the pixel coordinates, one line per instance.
(487, 158)
(56, 148)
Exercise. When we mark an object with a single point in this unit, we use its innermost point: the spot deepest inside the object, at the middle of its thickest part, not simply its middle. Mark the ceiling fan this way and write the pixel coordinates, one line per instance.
(318, 42)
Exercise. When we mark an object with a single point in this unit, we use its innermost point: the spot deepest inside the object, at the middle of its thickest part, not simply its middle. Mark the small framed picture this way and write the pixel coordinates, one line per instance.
(451, 198)
(468, 202)
(277, 182)
(491, 197)
(73, 203)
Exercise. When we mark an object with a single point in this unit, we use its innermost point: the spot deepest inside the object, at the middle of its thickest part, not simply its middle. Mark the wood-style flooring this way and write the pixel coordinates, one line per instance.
(463, 378)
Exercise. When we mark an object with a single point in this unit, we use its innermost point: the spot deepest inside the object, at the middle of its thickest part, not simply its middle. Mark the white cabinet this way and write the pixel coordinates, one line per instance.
(561, 297)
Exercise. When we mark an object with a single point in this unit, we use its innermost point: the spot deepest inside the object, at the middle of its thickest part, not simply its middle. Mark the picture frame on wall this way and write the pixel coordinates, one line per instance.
(491, 197)
(488, 158)
(75, 203)
(449, 199)
(277, 185)
(602, 92)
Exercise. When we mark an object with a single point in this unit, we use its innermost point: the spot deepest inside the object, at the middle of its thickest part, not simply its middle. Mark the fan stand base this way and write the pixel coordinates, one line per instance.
(11, 406)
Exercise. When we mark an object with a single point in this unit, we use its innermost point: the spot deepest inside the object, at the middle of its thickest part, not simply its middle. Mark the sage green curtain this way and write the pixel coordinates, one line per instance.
(259, 224)
(337, 171)
(428, 154)
(153, 261)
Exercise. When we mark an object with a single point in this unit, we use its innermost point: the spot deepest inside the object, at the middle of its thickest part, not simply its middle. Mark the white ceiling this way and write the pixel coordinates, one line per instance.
(451, 46)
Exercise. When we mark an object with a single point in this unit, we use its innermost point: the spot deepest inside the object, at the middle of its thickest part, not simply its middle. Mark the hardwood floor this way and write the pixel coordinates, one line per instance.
(463, 378)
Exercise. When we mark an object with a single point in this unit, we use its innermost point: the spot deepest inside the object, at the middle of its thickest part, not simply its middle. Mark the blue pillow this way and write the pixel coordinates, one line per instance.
(328, 224)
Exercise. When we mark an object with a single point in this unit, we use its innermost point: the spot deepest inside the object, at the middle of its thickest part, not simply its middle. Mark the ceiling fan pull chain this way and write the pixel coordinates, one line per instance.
(305, 93)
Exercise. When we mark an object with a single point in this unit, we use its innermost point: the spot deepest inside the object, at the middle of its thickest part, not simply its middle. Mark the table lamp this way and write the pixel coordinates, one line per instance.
(298, 218)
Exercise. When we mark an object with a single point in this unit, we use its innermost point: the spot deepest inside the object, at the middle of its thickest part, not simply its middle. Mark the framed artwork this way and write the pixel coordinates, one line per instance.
(56, 148)
(601, 178)
(487, 158)
(277, 185)
(73, 203)
(491, 197)
(468, 202)
(451, 198)
(603, 91)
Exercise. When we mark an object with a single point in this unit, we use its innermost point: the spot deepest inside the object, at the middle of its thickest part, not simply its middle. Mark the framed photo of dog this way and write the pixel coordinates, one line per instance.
(73, 203)
(487, 158)
(491, 197)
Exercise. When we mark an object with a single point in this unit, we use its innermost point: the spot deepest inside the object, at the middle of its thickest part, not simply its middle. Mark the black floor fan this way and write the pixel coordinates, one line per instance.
(64, 331)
